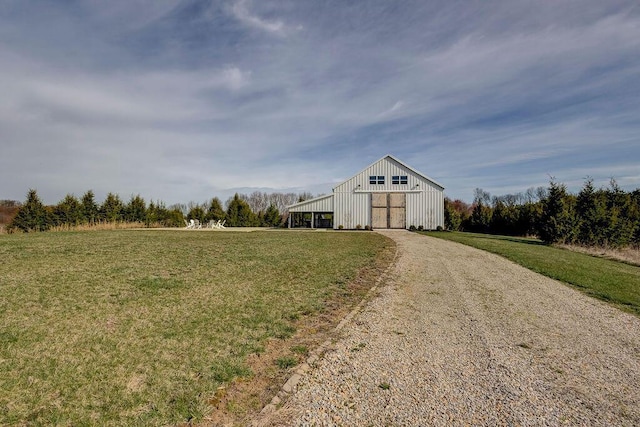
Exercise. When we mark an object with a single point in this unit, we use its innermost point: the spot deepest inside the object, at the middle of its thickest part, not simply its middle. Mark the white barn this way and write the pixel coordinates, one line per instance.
(386, 194)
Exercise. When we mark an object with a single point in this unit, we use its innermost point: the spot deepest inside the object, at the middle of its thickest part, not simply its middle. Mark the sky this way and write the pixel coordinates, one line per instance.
(184, 100)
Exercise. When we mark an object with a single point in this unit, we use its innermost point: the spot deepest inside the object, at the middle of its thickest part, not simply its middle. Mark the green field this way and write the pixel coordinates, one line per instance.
(611, 281)
(141, 327)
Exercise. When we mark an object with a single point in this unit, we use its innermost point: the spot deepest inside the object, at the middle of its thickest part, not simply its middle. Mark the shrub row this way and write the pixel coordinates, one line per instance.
(593, 217)
(33, 215)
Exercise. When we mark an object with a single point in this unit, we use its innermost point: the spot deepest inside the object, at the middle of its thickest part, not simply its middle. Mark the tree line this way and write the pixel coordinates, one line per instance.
(608, 217)
(256, 209)
(593, 217)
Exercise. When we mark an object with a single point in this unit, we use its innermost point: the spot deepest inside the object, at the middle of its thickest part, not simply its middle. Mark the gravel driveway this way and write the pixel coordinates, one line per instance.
(458, 336)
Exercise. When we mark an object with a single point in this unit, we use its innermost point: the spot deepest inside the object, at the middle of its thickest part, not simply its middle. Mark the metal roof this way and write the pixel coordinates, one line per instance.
(309, 201)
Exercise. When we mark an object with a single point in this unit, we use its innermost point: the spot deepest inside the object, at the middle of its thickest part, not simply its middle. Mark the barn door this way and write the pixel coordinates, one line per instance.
(397, 210)
(388, 210)
(379, 210)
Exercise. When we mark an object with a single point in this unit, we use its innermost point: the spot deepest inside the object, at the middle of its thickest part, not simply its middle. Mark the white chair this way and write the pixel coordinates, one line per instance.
(189, 224)
(221, 224)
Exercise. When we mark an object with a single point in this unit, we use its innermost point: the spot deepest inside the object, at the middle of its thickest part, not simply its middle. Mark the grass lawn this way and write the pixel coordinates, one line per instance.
(612, 281)
(142, 327)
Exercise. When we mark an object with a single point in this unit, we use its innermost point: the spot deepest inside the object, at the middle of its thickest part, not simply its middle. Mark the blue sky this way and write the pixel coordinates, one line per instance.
(186, 100)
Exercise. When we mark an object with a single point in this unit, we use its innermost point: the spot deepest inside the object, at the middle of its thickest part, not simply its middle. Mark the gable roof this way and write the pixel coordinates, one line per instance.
(401, 163)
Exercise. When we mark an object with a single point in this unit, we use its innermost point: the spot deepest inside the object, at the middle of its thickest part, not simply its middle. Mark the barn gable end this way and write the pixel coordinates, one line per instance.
(386, 194)
(388, 167)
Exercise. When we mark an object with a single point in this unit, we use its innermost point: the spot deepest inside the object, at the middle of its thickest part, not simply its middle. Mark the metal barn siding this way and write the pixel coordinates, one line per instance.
(425, 209)
(351, 209)
(319, 204)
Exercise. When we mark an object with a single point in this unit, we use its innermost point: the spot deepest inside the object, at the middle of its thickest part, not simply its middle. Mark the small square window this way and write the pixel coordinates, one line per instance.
(381, 180)
(399, 180)
(373, 179)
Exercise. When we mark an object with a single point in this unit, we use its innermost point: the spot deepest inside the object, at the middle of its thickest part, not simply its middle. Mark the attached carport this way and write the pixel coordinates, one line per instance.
(312, 213)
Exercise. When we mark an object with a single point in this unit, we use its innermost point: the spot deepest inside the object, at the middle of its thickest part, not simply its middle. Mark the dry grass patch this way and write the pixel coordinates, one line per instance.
(629, 254)
(143, 327)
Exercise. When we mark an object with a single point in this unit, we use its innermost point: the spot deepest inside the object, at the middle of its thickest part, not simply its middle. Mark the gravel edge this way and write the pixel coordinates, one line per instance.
(289, 387)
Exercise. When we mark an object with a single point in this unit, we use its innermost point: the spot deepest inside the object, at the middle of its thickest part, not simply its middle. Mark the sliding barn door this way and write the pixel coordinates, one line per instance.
(379, 210)
(397, 210)
(388, 210)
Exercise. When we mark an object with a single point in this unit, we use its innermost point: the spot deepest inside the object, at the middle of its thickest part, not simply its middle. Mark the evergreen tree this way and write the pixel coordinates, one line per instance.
(271, 217)
(32, 215)
(480, 220)
(173, 218)
(153, 214)
(197, 212)
(112, 208)
(68, 211)
(136, 209)
(499, 219)
(528, 218)
(558, 220)
(593, 215)
(505, 216)
(215, 211)
(239, 213)
(622, 225)
(90, 211)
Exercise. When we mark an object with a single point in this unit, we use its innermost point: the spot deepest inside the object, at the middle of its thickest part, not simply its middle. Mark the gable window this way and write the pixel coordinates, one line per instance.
(376, 179)
(399, 179)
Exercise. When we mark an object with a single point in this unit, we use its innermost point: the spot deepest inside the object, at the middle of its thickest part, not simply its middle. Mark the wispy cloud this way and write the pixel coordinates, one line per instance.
(240, 10)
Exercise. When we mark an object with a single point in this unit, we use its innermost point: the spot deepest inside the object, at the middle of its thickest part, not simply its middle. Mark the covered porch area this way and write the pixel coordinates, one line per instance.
(312, 213)
(311, 220)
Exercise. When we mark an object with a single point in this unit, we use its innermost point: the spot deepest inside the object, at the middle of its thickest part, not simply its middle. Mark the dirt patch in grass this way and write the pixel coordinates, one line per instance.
(239, 402)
